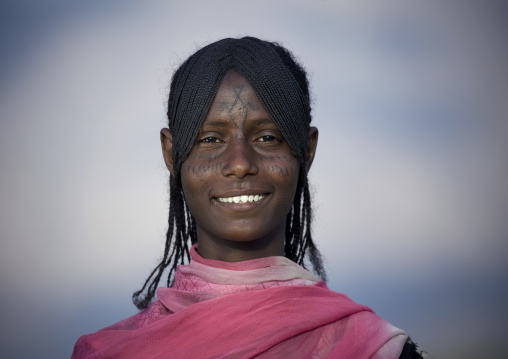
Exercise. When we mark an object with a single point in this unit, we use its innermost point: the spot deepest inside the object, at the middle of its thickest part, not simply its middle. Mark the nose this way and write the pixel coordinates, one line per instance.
(240, 159)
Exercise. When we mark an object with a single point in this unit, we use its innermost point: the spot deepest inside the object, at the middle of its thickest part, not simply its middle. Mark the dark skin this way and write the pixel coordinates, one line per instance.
(240, 177)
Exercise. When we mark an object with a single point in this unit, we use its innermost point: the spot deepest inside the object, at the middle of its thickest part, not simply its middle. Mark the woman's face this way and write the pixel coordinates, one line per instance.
(240, 177)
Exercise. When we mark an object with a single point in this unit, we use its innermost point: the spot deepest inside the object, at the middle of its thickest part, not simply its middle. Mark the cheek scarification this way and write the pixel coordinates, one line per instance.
(201, 165)
(283, 171)
(281, 165)
(208, 168)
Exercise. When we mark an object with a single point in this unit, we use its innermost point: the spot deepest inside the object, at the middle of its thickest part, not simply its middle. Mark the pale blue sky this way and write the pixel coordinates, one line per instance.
(410, 178)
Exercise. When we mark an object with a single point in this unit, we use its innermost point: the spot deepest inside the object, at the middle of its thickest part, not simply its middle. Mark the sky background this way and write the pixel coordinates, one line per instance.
(410, 179)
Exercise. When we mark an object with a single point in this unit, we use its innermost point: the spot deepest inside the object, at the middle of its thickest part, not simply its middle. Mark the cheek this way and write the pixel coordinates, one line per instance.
(198, 167)
(284, 172)
(196, 173)
(283, 168)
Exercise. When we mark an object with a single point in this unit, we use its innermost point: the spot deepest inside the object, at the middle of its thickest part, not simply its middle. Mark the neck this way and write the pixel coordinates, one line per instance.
(237, 251)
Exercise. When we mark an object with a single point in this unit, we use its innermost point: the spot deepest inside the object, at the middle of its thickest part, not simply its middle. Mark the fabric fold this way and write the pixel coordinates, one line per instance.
(222, 310)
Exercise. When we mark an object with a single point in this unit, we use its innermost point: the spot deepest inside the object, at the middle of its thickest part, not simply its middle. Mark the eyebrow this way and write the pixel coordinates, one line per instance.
(217, 122)
(263, 121)
(223, 122)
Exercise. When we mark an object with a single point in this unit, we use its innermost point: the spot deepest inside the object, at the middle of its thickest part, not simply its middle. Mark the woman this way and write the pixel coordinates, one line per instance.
(239, 147)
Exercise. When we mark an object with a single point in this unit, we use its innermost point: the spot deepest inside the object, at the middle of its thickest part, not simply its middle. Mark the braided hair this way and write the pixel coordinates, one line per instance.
(281, 85)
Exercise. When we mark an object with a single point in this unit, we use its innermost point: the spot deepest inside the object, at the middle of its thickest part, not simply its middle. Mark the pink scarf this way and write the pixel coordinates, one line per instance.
(263, 308)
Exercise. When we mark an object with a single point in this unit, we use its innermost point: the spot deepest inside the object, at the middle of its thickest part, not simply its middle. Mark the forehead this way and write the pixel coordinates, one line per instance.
(235, 86)
(232, 76)
(236, 101)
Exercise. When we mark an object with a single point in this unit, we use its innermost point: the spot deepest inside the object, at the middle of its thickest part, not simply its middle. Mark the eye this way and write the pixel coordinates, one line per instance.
(210, 139)
(267, 138)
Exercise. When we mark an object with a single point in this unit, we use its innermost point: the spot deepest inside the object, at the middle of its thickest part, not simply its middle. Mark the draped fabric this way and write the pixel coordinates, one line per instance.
(262, 308)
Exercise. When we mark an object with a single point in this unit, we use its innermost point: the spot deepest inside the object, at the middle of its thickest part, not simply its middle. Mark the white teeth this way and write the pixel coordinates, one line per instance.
(242, 199)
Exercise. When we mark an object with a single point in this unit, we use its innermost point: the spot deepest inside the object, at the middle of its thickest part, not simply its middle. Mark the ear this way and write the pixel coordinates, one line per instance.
(312, 140)
(167, 148)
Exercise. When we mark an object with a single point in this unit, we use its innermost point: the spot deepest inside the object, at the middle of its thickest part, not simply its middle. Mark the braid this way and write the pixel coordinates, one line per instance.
(176, 250)
(299, 243)
(281, 85)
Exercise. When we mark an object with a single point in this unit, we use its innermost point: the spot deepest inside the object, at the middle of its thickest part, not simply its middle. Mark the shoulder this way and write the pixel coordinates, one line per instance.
(89, 344)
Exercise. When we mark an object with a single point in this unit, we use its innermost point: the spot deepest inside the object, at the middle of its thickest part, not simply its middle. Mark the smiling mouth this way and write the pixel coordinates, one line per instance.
(241, 199)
